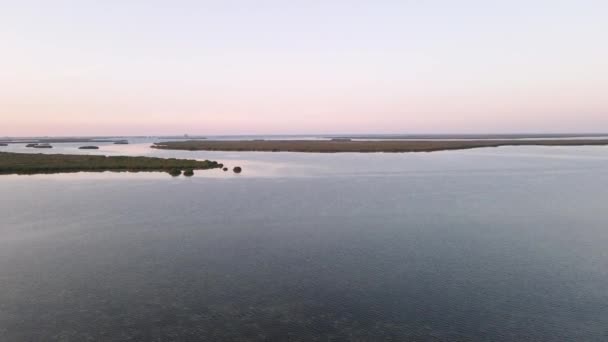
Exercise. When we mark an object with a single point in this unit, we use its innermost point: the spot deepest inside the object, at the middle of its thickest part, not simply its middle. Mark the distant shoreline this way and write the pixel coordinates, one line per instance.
(343, 145)
(55, 140)
(487, 136)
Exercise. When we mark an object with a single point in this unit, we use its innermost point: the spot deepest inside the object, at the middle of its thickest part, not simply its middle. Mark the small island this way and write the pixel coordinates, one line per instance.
(36, 145)
(42, 146)
(3, 144)
(365, 146)
(88, 148)
(29, 164)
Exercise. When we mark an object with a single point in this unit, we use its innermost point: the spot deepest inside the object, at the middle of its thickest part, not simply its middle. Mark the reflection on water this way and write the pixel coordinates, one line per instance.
(502, 244)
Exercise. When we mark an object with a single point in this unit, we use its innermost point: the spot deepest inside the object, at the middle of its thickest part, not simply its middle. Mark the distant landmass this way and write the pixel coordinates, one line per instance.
(347, 145)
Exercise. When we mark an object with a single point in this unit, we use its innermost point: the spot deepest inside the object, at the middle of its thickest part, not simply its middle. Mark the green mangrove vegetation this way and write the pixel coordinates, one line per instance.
(29, 163)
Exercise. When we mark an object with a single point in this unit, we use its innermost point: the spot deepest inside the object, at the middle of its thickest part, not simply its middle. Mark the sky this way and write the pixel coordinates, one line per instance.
(129, 67)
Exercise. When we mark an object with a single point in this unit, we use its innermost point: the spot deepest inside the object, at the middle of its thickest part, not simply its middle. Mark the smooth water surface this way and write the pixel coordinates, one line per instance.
(502, 244)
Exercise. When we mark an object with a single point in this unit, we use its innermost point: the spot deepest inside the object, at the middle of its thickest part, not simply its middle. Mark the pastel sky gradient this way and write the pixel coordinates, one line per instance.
(127, 67)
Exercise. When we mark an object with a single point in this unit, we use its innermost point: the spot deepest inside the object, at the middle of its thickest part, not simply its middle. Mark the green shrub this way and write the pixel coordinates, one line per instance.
(175, 172)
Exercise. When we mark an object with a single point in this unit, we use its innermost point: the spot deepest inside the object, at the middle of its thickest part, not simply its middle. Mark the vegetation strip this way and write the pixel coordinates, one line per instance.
(29, 163)
(391, 146)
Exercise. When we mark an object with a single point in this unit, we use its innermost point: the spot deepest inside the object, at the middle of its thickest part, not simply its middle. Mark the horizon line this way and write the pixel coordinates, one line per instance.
(188, 135)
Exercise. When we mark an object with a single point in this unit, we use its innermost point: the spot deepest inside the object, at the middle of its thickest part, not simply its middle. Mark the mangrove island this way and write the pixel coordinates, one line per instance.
(363, 146)
(29, 163)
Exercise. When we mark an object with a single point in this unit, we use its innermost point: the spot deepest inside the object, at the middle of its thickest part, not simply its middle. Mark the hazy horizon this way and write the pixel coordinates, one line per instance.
(328, 135)
(81, 68)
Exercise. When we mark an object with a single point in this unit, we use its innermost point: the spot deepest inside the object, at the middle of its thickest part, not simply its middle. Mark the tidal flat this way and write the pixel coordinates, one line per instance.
(338, 146)
(29, 163)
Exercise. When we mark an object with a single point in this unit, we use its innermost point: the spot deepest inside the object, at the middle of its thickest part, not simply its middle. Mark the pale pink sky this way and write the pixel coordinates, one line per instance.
(230, 67)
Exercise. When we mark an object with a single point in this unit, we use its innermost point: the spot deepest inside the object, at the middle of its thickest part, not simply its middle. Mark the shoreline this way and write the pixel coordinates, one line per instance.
(374, 146)
(31, 164)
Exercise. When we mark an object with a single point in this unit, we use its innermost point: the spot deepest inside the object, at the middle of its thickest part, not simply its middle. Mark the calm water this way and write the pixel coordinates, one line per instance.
(506, 244)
